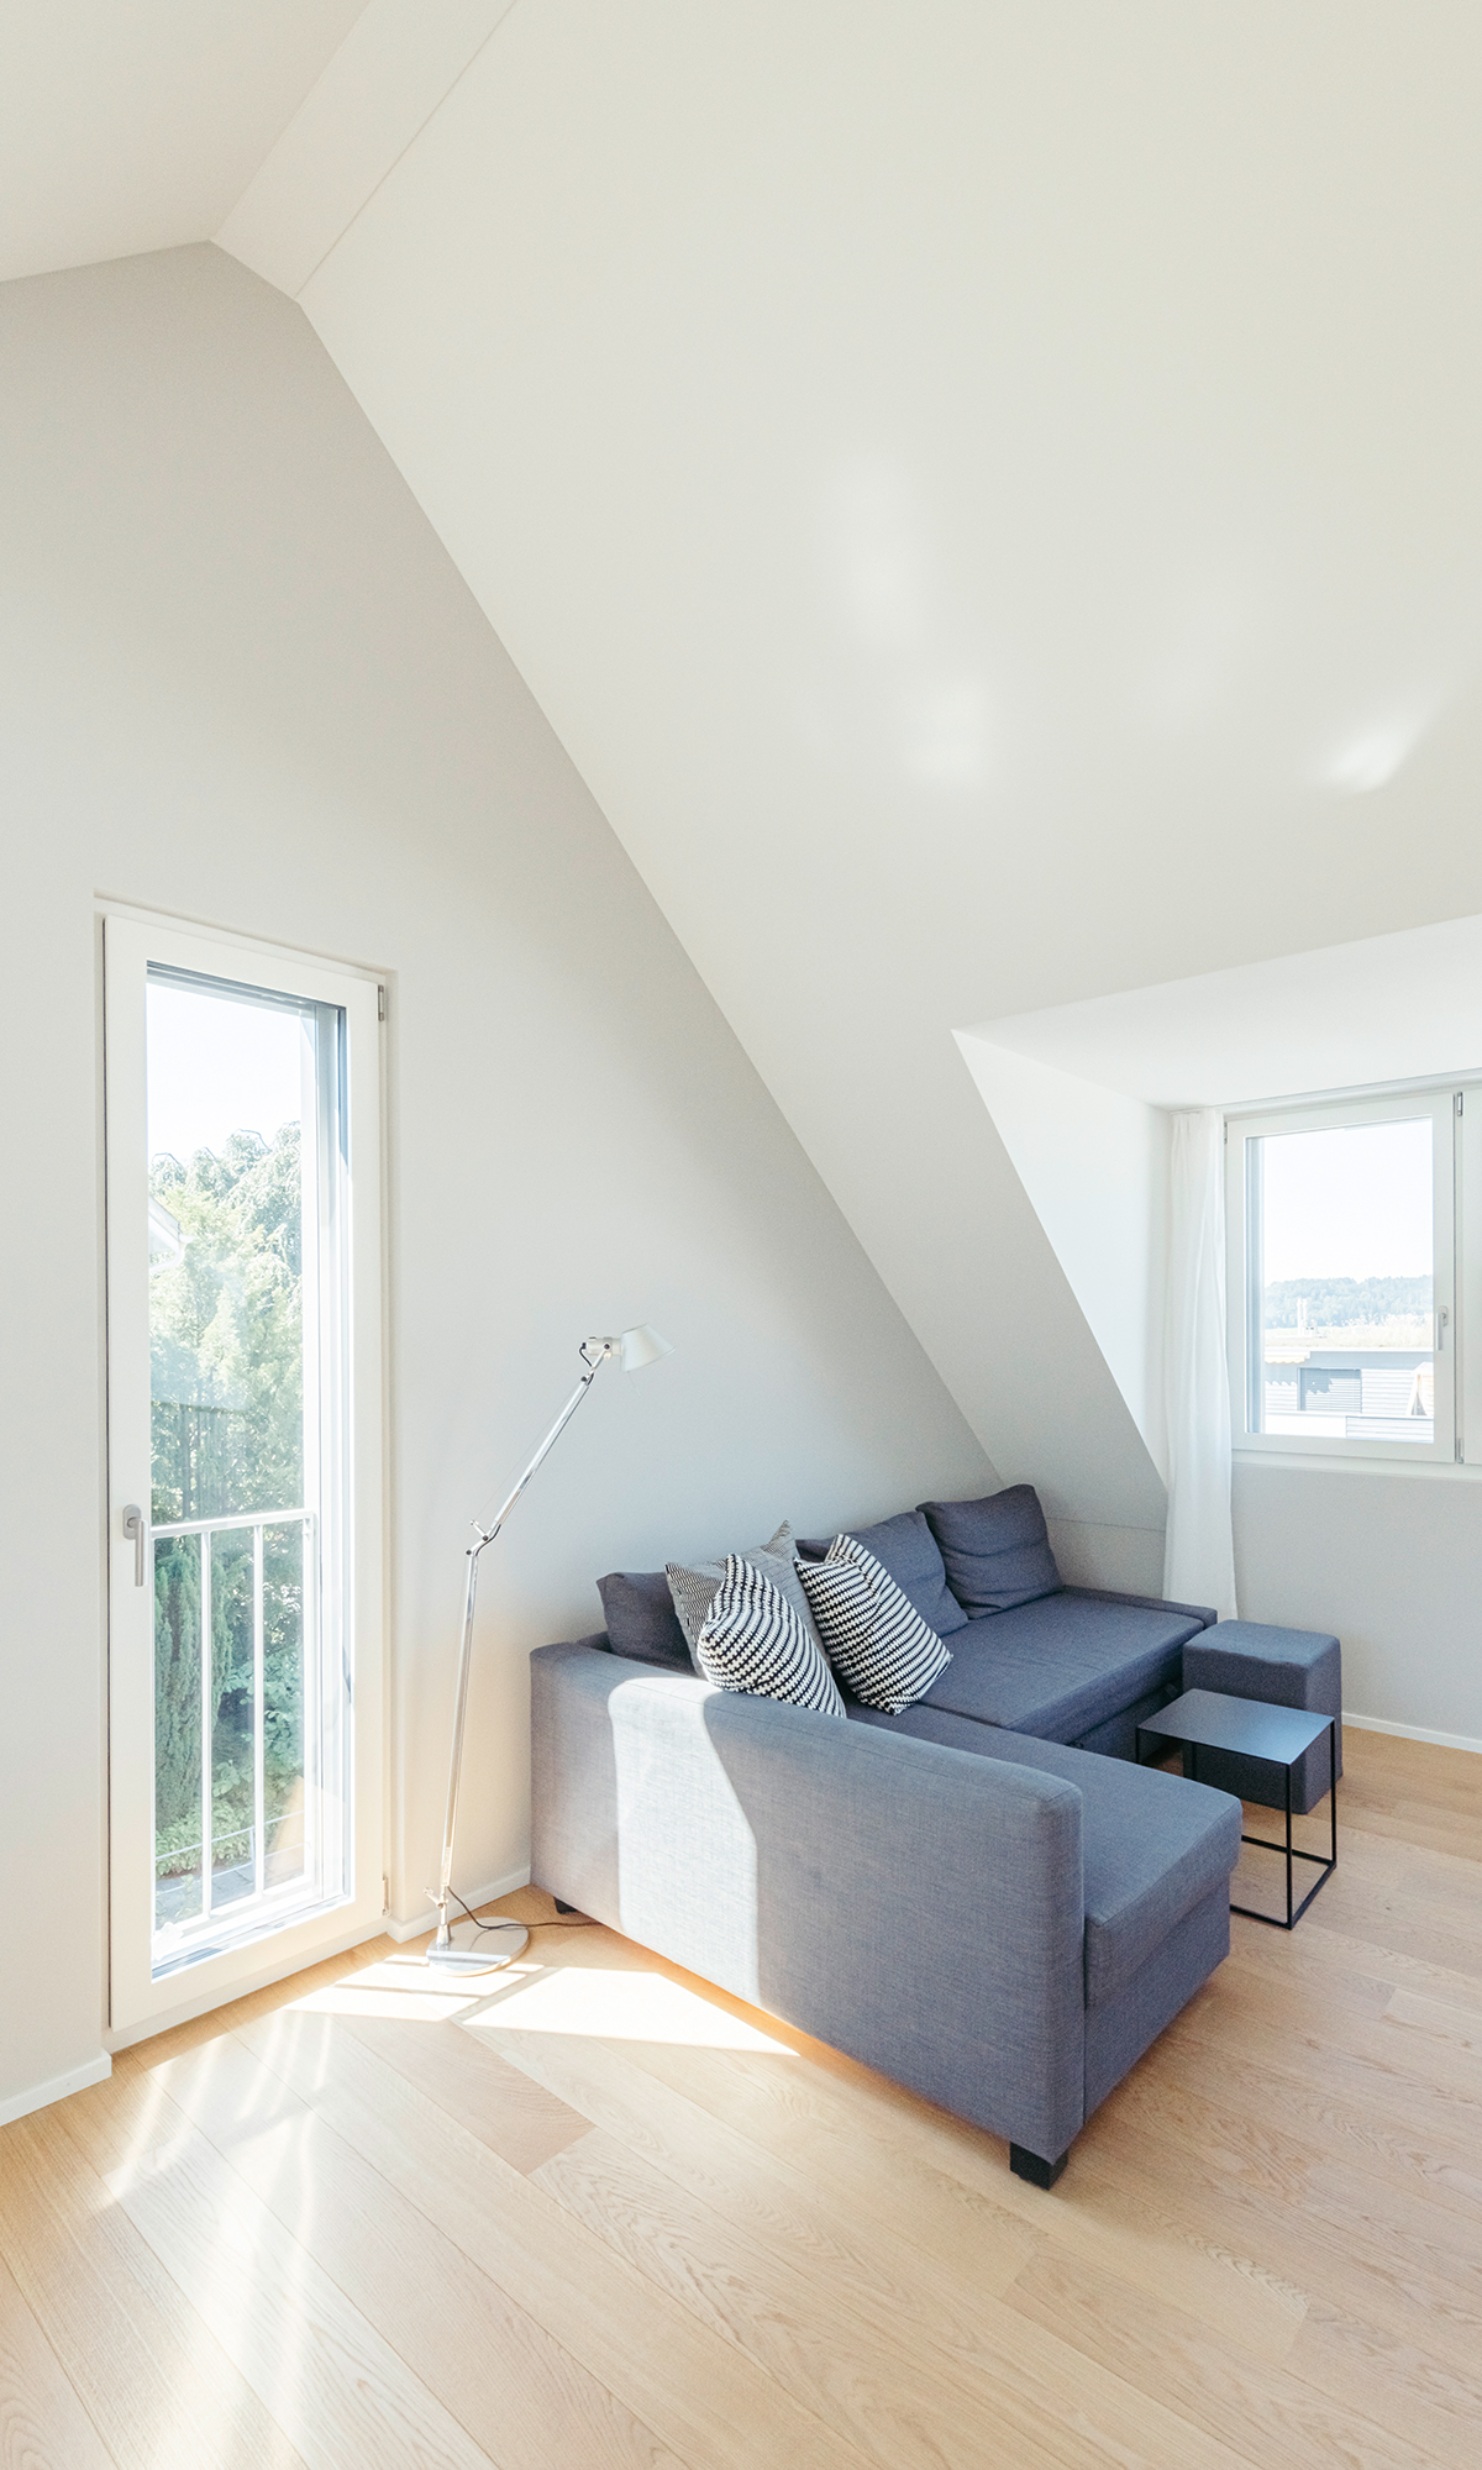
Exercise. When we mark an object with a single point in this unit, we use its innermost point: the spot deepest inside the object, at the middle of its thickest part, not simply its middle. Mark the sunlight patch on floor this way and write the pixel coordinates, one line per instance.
(618, 2006)
(399, 1987)
(155, 2135)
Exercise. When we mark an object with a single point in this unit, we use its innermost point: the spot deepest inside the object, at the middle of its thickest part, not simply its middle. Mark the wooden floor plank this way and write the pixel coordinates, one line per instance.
(927, 2198)
(893, 2404)
(1269, 2414)
(915, 2247)
(501, 2105)
(715, 2408)
(517, 2393)
(336, 2388)
(1327, 2229)
(43, 2425)
(156, 2383)
(1398, 2384)
(949, 2373)
(905, 2401)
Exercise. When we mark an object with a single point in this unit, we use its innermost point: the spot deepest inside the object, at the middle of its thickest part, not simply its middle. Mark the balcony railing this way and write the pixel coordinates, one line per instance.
(234, 1865)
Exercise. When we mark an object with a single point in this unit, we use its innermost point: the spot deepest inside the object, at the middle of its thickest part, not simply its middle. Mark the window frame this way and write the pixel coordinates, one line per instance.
(143, 1998)
(1444, 1103)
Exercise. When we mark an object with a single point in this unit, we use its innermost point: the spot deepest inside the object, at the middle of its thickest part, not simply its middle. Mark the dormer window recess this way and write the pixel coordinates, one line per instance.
(1355, 1277)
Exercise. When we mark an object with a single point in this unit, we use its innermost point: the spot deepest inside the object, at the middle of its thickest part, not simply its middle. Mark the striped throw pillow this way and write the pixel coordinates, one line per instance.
(876, 1639)
(752, 1640)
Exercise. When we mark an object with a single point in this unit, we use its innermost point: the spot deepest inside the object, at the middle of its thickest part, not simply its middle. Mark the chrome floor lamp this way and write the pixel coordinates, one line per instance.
(633, 1350)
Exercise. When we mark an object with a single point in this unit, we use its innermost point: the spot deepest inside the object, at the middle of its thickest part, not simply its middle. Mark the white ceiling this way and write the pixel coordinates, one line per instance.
(128, 125)
(399, 60)
(987, 491)
(1392, 1008)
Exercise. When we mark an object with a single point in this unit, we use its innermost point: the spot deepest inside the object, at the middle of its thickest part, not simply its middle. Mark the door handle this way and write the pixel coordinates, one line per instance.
(133, 1525)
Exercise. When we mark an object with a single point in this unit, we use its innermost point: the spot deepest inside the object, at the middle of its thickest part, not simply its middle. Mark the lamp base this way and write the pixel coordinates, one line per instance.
(485, 1952)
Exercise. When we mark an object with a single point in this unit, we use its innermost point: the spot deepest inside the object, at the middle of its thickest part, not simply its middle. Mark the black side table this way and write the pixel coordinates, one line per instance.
(1207, 1719)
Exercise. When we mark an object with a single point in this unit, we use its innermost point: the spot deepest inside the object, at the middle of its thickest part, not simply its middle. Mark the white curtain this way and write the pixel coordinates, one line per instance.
(1199, 1553)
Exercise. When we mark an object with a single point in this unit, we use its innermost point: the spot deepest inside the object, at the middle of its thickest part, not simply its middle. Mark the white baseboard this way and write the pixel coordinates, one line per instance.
(420, 1923)
(1412, 1732)
(57, 2087)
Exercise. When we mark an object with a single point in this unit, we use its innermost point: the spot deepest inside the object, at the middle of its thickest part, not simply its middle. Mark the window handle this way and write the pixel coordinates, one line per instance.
(133, 1526)
(1443, 1315)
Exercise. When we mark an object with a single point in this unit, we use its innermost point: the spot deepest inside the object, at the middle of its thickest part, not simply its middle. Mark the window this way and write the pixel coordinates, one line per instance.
(244, 1308)
(1342, 1242)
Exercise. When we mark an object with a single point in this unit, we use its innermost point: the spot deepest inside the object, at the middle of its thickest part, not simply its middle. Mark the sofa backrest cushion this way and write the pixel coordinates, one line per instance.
(908, 1552)
(996, 1551)
(641, 1620)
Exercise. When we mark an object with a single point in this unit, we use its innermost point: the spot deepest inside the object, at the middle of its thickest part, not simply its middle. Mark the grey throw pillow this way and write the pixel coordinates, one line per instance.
(695, 1585)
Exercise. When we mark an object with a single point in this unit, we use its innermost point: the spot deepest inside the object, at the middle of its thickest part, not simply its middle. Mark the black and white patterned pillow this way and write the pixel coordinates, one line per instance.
(751, 1639)
(883, 1650)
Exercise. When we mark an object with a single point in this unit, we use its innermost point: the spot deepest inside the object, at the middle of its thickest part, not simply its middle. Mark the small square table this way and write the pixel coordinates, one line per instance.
(1207, 1719)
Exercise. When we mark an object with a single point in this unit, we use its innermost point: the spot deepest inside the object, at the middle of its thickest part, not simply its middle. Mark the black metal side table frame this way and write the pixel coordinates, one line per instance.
(1207, 1719)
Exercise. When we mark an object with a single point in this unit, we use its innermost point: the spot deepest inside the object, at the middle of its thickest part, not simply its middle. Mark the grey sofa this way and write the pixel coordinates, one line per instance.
(984, 1897)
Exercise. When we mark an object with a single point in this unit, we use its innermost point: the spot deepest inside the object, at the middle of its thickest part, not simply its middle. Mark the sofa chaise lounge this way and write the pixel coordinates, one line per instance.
(984, 1897)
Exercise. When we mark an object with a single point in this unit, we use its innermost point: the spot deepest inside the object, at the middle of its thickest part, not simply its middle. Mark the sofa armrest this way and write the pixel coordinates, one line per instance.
(917, 1907)
(1204, 1614)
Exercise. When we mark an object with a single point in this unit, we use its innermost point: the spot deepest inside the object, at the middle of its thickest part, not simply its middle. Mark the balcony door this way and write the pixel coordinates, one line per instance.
(244, 1292)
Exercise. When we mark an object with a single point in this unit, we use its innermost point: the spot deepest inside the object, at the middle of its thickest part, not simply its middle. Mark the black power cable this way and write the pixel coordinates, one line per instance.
(507, 1921)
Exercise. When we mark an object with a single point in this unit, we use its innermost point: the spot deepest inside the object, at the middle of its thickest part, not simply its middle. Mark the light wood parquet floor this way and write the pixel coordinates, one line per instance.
(590, 2212)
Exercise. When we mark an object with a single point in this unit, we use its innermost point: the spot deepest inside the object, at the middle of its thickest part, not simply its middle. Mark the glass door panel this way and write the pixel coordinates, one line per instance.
(242, 1095)
(244, 1408)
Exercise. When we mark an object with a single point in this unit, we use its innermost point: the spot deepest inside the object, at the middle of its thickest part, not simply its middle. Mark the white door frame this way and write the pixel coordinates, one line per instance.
(140, 2002)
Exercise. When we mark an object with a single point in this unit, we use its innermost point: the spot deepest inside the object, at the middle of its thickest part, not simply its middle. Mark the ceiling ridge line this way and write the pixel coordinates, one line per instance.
(474, 57)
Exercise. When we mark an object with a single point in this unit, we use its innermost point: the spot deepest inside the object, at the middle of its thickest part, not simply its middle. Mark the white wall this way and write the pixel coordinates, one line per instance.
(242, 684)
(1094, 1162)
(1392, 1562)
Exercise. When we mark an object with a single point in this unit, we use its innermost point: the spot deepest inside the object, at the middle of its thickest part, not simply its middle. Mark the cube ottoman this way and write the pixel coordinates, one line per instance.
(1286, 1668)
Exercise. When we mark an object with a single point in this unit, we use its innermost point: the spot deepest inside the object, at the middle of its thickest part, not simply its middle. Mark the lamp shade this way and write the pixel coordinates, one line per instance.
(642, 1346)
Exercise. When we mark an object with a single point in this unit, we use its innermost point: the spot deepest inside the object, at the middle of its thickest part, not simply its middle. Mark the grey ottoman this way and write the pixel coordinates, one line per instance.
(1288, 1668)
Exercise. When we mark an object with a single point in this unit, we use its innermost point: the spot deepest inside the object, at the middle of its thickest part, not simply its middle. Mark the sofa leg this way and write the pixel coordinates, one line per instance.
(1025, 2164)
(560, 1907)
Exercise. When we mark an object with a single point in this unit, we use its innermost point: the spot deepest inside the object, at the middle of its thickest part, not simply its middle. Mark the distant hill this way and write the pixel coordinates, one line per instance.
(1334, 1303)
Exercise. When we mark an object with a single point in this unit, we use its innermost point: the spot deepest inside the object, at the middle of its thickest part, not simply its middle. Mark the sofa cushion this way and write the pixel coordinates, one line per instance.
(1153, 1845)
(1288, 1668)
(908, 1552)
(874, 1637)
(1061, 1666)
(996, 1551)
(641, 1619)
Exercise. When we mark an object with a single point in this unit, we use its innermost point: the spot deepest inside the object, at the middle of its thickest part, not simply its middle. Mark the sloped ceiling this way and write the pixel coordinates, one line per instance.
(988, 495)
